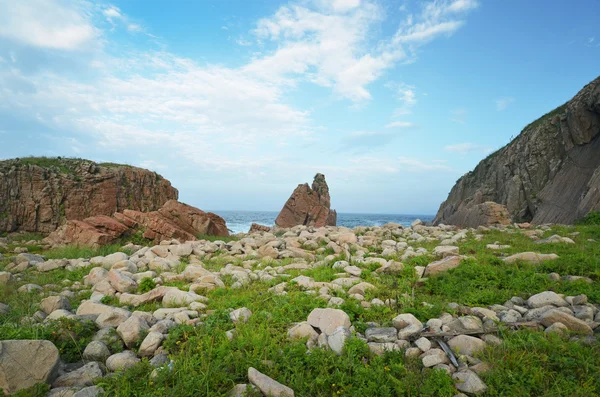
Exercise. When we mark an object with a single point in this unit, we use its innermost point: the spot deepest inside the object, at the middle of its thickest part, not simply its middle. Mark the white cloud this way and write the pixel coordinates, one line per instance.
(46, 24)
(134, 27)
(459, 115)
(503, 103)
(412, 164)
(468, 147)
(400, 124)
(112, 12)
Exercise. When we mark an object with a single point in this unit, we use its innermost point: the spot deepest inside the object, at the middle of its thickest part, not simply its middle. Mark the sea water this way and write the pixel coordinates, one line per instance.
(240, 221)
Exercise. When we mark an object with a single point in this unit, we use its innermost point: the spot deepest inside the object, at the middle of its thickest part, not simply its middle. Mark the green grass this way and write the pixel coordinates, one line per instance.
(527, 363)
(593, 218)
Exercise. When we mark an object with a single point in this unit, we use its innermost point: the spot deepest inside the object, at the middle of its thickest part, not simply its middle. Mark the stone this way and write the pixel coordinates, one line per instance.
(327, 320)
(546, 298)
(84, 376)
(112, 318)
(121, 282)
(443, 251)
(572, 323)
(269, 387)
(380, 348)
(423, 343)
(381, 335)
(530, 257)
(132, 329)
(353, 270)
(175, 297)
(24, 363)
(96, 351)
(242, 389)
(474, 214)
(337, 339)
(360, 288)
(443, 265)
(52, 303)
(150, 343)
(556, 328)
(466, 345)
(434, 357)
(469, 382)
(302, 330)
(241, 315)
(267, 251)
(308, 206)
(5, 277)
(121, 361)
(407, 325)
(91, 391)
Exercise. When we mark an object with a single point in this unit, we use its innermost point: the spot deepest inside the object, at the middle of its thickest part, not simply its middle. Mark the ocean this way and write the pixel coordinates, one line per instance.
(240, 221)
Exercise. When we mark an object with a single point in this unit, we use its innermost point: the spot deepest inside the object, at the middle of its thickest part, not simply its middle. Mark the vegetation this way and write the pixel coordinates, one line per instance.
(593, 218)
(528, 363)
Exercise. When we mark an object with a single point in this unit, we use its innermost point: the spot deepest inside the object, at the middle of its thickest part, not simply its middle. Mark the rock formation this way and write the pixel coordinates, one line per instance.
(308, 206)
(174, 220)
(39, 194)
(550, 173)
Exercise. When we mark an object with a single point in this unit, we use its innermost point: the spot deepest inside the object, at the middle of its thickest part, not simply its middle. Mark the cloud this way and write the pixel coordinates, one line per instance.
(366, 140)
(466, 148)
(406, 96)
(328, 44)
(47, 24)
(459, 115)
(112, 12)
(503, 103)
(400, 124)
(412, 164)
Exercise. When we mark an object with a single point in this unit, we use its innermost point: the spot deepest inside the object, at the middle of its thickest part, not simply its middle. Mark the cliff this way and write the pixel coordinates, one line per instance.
(39, 194)
(550, 173)
(309, 206)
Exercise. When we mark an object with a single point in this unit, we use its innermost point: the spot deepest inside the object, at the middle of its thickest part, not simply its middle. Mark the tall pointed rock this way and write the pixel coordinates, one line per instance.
(308, 206)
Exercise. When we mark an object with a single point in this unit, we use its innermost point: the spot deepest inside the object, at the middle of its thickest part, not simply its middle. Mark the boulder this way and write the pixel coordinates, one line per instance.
(132, 330)
(407, 325)
(530, 257)
(466, 345)
(308, 206)
(337, 340)
(469, 382)
(52, 303)
(546, 298)
(25, 363)
(572, 323)
(269, 387)
(121, 361)
(381, 335)
(96, 351)
(443, 265)
(327, 320)
(256, 228)
(84, 376)
(150, 343)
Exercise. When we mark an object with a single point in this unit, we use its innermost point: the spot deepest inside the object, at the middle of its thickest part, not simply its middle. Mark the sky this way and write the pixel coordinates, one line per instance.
(236, 102)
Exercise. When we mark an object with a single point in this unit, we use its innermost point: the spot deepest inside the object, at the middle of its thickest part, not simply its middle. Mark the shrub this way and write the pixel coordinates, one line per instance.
(146, 284)
(593, 218)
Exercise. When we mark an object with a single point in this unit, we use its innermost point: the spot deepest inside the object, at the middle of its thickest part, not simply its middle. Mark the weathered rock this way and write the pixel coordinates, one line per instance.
(38, 198)
(5, 277)
(529, 174)
(121, 281)
(96, 351)
(443, 265)
(91, 391)
(407, 325)
(269, 387)
(256, 228)
(327, 320)
(469, 382)
(242, 390)
(308, 206)
(150, 343)
(434, 357)
(132, 329)
(546, 298)
(445, 250)
(337, 339)
(121, 361)
(530, 257)
(52, 303)
(24, 363)
(381, 335)
(84, 376)
(572, 323)
(467, 345)
(301, 331)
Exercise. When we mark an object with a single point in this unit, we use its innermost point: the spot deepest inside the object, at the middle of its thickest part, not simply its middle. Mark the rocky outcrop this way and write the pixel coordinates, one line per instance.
(550, 173)
(308, 206)
(40, 194)
(174, 220)
(485, 214)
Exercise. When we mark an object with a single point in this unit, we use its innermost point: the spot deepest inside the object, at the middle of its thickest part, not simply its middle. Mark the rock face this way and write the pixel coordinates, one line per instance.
(39, 194)
(174, 220)
(531, 174)
(308, 206)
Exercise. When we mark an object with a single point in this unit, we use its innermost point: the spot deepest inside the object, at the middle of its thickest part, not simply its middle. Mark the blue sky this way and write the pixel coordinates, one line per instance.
(236, 102)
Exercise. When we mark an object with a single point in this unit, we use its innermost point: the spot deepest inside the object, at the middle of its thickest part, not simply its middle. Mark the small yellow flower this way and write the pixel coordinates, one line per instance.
(386, 368)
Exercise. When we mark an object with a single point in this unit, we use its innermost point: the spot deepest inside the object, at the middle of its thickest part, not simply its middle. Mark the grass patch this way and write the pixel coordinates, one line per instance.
(76, 251)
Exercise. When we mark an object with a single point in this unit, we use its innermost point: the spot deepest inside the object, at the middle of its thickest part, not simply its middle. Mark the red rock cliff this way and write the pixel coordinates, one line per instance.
(39, 194)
